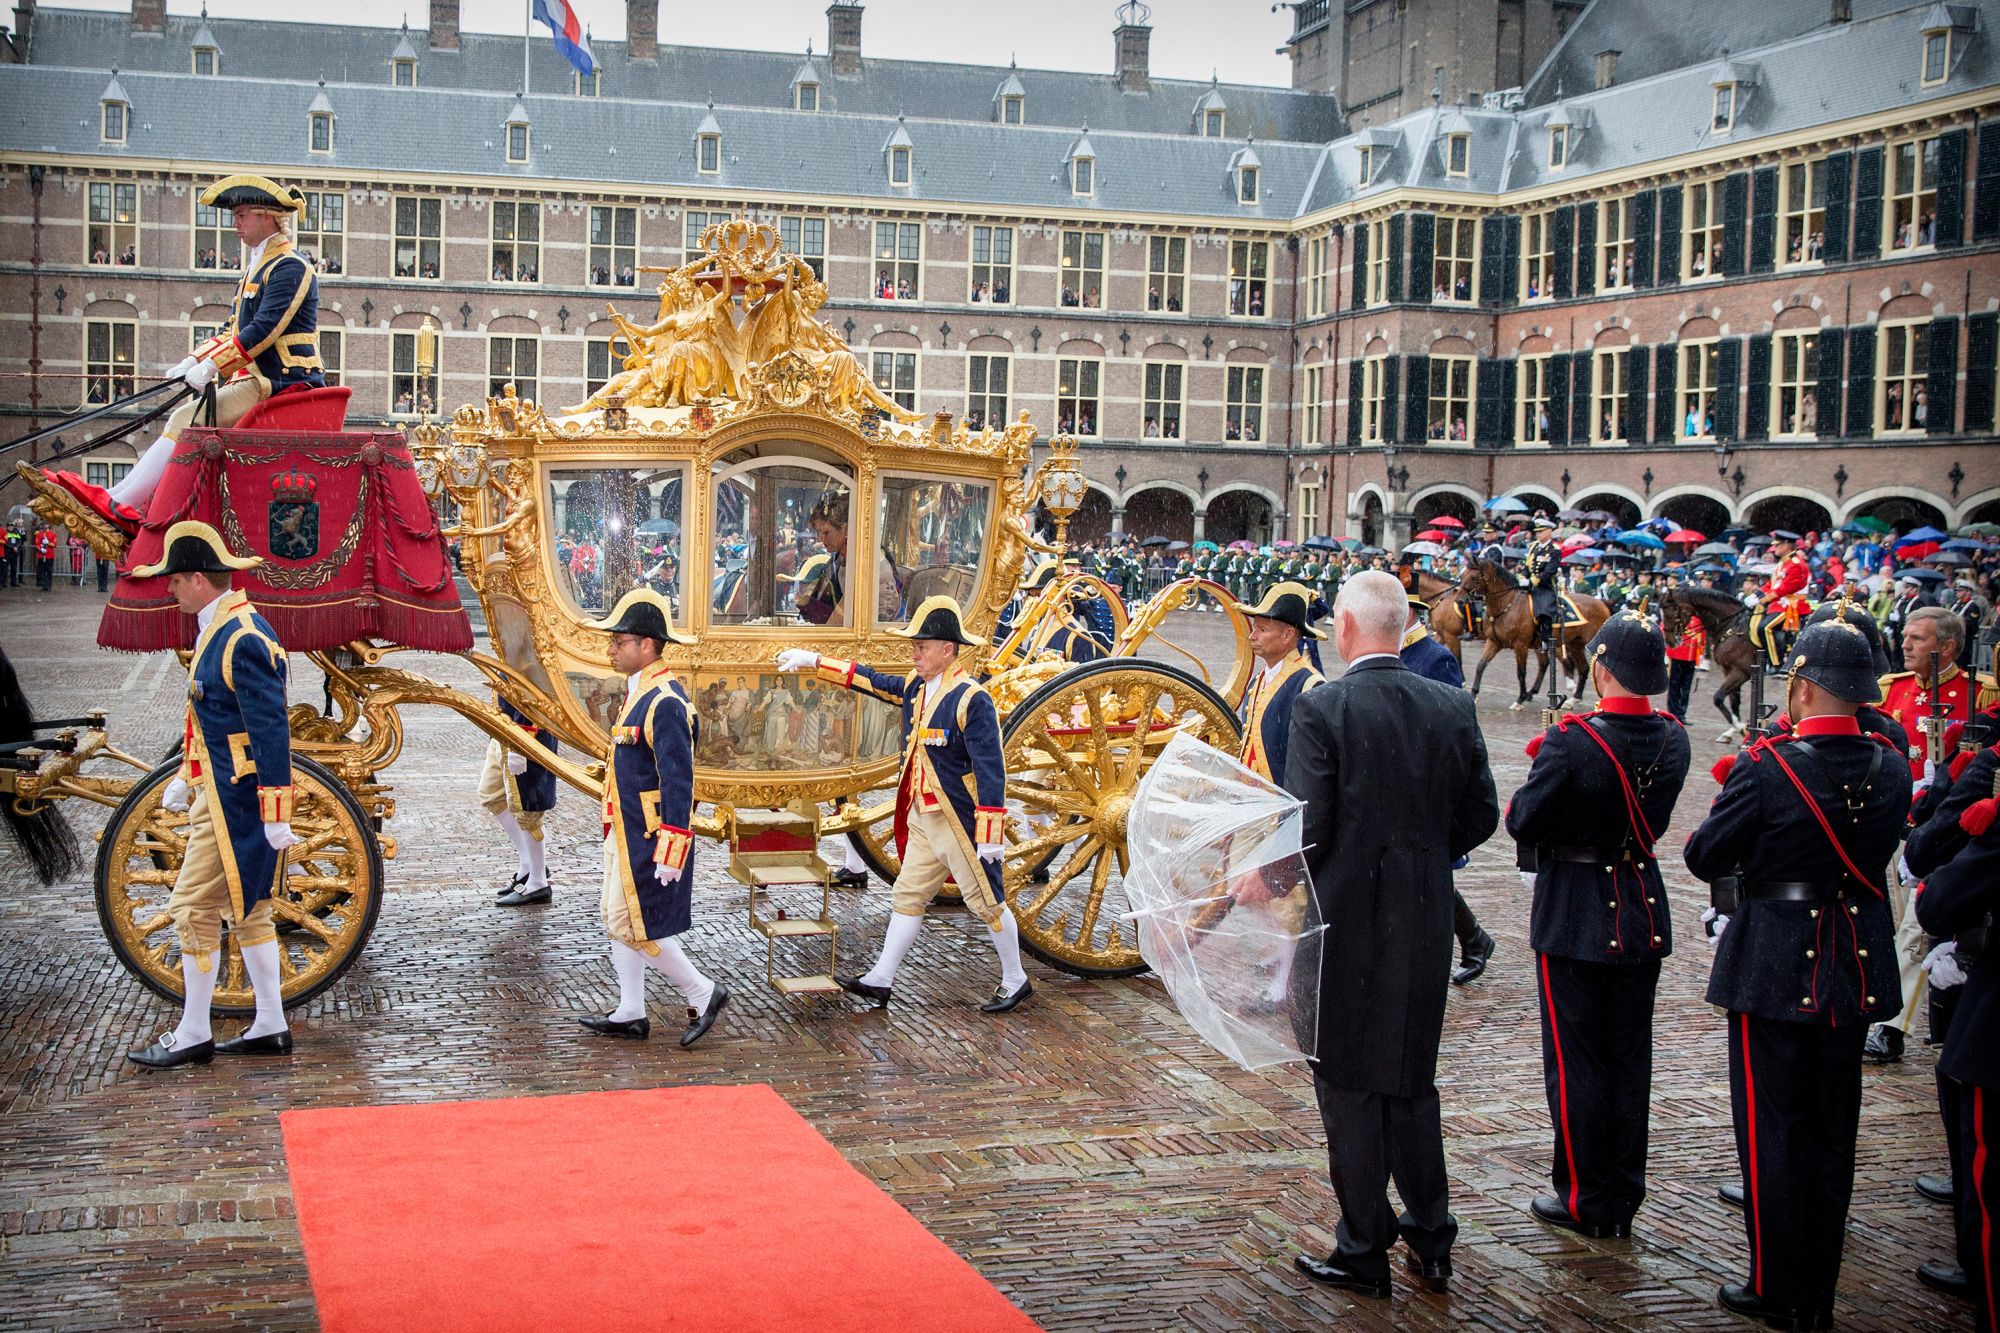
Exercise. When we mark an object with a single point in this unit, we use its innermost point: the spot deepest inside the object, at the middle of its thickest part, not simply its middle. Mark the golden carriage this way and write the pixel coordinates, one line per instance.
(742, 464)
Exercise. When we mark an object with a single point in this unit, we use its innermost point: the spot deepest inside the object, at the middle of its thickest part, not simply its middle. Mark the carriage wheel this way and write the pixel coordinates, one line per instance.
(331, 895)
(1075, 750)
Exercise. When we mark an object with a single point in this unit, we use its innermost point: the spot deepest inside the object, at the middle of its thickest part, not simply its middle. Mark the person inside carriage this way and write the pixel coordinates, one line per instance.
(269, 346)
(1774, 623)
(1542, 568)
(823, 599)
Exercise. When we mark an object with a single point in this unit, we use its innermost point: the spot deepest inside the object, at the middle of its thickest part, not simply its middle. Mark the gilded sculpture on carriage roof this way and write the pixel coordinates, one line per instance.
(700, 347)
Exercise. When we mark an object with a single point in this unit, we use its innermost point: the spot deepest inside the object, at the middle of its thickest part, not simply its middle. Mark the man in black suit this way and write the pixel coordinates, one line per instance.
(1392, 769)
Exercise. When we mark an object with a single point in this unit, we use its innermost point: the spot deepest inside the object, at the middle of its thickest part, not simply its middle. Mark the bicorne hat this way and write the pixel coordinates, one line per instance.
(1834, 655)
(1042, 574)
(195, 548)
(1632, 648)
(1289, 604)
(254, 192)
(645, 613)
(937, 618)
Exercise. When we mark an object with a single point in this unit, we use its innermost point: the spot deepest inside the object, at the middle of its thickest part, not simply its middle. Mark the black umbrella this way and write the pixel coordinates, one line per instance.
(1177, 546)
(1921, 575)
(1321, 544)
(1716, 548)
(1580, 560)
(1946, 558)
(1371, 550)
(1157, 541)
(1601, 516)
(1570, 515)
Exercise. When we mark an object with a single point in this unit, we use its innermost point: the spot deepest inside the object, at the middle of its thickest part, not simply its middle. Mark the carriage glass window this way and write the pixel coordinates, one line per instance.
(615, 529)
(931, 536)
(782, 527)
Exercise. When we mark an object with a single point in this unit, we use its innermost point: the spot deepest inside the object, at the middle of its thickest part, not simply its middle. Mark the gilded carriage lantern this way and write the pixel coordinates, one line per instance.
(741, 463)
(1062, 485)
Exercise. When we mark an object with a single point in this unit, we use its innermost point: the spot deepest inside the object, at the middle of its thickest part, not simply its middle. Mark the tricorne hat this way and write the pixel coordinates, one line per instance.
(1834, 655)
(254, 192)
(937, 618)
(645, 613)
(1287, 603)
(1631, 647)
(193, 547)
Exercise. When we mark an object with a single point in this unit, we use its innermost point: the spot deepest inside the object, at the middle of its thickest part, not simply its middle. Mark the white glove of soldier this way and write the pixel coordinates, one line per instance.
(200, 375)
(990, 851)
(797, 659)
(517, 763)
(176, 796)
(180, 371)
(1943, 966)
(1717, 922)
(279, 835)
(666, 874)
(1528, 880)
(1903, 871)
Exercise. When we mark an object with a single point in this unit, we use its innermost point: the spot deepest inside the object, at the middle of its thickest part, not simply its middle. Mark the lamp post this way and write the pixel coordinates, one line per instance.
(1062, 485)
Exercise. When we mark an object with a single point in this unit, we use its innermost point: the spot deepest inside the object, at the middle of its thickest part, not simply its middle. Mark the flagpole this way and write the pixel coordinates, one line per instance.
(527, 37)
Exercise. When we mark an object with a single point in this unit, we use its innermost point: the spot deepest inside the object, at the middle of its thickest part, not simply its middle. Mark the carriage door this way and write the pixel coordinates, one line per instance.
(932, 541)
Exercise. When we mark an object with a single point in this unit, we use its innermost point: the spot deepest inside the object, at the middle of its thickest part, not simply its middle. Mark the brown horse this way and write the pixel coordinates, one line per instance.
(1726, 621)
(1449, 622)
(1510, 623)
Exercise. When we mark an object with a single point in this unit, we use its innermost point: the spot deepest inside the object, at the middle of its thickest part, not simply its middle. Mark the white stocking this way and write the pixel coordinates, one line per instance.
(673, 964)
(517, 836)
(1007, 943)
(261, 962)
(630, 965)
(853, 864)
(138, 484)
(536, 853)
(902, 934)
(200, 982)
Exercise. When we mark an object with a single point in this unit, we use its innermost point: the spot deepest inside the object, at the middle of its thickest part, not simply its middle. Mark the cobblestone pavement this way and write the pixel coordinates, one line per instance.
(1096, 1162)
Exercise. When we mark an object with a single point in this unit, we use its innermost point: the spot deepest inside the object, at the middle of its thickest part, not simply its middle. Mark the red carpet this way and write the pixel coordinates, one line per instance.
(708, 1209)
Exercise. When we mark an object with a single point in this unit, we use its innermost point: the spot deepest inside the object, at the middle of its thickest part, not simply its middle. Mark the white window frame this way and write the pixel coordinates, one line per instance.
(1558, 147)
(1697, 361)
(1454, 264)
(887, 367)
(1374, 404)
(1458, 155)
(1073, 373)
(610, 249)
(403, 341)
(1214, 123)
(1801, 379)
(1538, 255)
(214, 62)
(1939, 41)
(1312, 428)
(898, 233)
(1912, 338)
(1723, 117)
(417, 239)
(1078, 265)
(217, 228)
(1083, 176)
(1166, 273)
(528, 386)
(1378, 262)
(578, 88)
(520, 141)
(799, 95)
(518, 209)
(991, 269)
(332, 345)
(1610, 381)
(1916, 195)
(1305, 514)
(398, 68)
(1164, 404)
(318, 124)
(900, 165)
(1460, 395)
(1318, 251)
(1247, 184)
(1531, 391)
(1807, 220)
(804, 234)
(980, 395)
(1014, 109)
(125, 231)
(1704, 241)
(1249, 280)
(114, 121)
(118, 382)
(1615, 245)
(614, 350)
(708, 154)
(1243, 404)
(311, 239)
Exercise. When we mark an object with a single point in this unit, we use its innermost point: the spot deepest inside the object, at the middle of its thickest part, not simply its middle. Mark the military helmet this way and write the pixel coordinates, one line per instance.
(1632, 648)
(1834, 655)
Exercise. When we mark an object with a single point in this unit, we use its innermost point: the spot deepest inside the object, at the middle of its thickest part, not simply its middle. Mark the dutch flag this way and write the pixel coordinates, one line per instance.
(567, 30)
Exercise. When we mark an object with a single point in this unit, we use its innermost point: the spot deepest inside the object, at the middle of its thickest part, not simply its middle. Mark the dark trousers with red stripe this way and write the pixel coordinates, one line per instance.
(1597, 1066)
(1977, 1168)
(1943, 1004)
(1795, 1091)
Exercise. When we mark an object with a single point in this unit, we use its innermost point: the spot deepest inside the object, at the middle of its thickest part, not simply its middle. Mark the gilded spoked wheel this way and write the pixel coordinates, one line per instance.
(1075, 751)
(331, 895)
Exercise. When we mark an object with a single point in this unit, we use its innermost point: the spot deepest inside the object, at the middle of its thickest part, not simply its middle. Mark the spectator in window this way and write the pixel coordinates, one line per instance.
(1808, 416)
(1152, 298)
(424, 403)
(1152, 428)
(1089, 423)
(1093, 301)
(528, 273)
(1231, 432)
(1708, 421)
(1927, 230)
(1918, 407)
(129, 256)
(1816, 247)
(402, 406)
(1892, 408)
(1542, 422)
(1257, 302)
(904, 292)
(1173, 428)
(1693, 425)
(999, 293)
(1605, 433)
(1698, 265)
(332, 264)
(1630, 270)
(100, 256)
(626, 277)
(500, 273)
(1437, 430)
(1534, 287)
(978, 291)
(1174, 304)
(1458, 428)
(1441, 292)
(1068, 296)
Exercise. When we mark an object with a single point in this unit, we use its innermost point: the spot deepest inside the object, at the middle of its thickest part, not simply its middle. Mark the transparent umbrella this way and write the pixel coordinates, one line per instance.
(1225, 915)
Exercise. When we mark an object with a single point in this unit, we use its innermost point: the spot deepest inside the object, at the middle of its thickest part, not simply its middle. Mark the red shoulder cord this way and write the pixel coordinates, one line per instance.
(1820, 817)
(1632, 808)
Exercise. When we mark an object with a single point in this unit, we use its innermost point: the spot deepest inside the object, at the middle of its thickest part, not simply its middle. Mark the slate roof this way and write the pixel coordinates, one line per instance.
(341, 53)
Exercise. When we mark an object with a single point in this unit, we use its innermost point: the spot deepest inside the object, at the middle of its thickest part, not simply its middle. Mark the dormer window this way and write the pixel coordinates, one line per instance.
(319, 132)
(1458, 154)
(1937, 56)
(403, 61)
(516, 132)
(899, 166)
(1366, 152)
(708, 154)
(115, 117)
(1010, 100)
(805, 97)
(1083, 175)
(1725, 107)
(1212, 124)
(1211, 113)
(405, 75)
(1558, 147)
(206, 62)
(1013, 109)
(1246, 185)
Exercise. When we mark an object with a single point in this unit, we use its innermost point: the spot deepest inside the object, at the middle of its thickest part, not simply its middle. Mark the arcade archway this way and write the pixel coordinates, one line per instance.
(1160, 512)
(1239, 516)
(1794, 513)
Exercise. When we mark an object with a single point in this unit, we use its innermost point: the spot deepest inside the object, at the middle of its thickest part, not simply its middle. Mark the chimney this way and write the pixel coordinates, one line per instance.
(444, 25)
(149, 16)
(24, 25)
(1134, 39)
(642, 29)
(1843, 11)
(1607, 68)
(843, 36)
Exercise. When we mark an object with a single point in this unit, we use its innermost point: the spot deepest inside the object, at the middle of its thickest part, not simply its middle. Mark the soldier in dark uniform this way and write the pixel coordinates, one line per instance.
(1542, 568)
(1960, 897)
(1280, 626)
(1806, 823)
(1600, 792)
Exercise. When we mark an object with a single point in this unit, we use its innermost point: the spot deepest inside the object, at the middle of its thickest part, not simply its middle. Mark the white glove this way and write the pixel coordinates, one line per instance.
(1528, 880)
(665, 874)
(990, 851)
(1943, 966)
(180, 371)
(797, 659)
(1903, 871)
(279, 835)
(1717, 922)
(517, 763)
(176, 796)
(201, 375)
(1930, 771)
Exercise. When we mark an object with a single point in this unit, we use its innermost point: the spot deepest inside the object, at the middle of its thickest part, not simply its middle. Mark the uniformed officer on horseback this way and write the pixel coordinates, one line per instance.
(1542, 568)
(1806, 823)
(1781, 601)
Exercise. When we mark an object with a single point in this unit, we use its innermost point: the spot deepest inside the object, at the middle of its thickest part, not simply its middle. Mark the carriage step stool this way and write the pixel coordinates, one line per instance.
(773, 853)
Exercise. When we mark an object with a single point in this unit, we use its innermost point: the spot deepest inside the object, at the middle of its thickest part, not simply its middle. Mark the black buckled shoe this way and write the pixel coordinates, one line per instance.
(527, 897)
(1436, 1273)
(1884, 1046)
(513, 887)
(850, 879)
(1003, 1001)
(1332, 1273)
(163, 1054)
(700, 1023)
(1947, 1278)
(1741, 1300)
(271, 1043)
(1732, 1194)
(638, 1029)
(1548, 1208)
(1936, 1188)
(1472, 960)
(878, 995)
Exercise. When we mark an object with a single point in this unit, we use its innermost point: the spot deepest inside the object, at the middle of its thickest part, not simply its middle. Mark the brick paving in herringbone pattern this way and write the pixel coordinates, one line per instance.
(1087, 1154)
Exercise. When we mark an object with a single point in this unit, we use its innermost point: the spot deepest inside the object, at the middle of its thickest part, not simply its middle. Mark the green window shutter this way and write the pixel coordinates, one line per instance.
(1951, 190)
(1838, 170)
(1763, 219)
(1757, 408)
(1941, 385)
(1645, 216)
(1735, 218)
(1868, 203)
(1670, 236)
(1826, 388)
